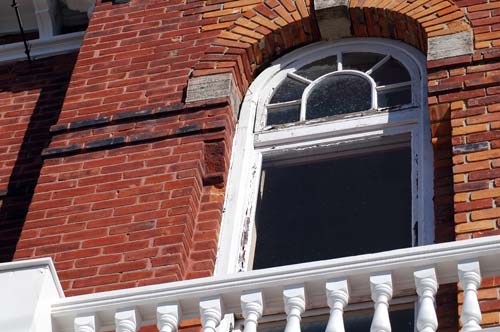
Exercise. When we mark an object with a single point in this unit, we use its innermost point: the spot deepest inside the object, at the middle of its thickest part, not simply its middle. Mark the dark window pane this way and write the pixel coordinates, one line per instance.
(401, 321)
(318, 68)
(339, 94)
(394, 97)
(283, 115)
(288, 90)
(334, 208)
(71, 20)
(391, 72)
(360, 61)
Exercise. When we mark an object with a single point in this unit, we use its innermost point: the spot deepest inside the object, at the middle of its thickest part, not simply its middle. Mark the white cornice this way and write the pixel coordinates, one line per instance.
(35, 263)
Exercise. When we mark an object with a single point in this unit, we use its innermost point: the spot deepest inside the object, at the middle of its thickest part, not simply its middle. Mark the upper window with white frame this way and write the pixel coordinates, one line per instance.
(332, 158)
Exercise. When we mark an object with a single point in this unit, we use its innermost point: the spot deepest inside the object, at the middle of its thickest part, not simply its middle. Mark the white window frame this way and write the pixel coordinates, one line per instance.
(237, 229)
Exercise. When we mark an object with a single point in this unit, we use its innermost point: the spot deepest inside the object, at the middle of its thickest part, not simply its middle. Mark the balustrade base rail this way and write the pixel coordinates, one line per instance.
(335, 284)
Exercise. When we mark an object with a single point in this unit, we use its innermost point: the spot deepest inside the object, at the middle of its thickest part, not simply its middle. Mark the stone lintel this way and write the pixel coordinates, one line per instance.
(333, 19)
(209, 87)
(440, 47)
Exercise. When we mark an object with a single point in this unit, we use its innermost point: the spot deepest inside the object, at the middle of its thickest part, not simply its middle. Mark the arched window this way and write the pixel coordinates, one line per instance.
(332, 158)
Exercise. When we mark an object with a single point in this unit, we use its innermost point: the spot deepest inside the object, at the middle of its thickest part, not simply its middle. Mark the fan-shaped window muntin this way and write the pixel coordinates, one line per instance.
(390, 79)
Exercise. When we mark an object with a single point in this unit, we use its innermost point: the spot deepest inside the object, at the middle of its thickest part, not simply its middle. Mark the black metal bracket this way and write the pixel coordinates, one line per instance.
(21, 29)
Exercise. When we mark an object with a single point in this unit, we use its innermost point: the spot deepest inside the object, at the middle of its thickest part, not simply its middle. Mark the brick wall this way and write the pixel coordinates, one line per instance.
(466, 89)
(132, 184)
(143, 210)
(30, 102)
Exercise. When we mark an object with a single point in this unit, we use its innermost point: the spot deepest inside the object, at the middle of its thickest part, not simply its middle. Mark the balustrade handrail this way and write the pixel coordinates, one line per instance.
(374, 275)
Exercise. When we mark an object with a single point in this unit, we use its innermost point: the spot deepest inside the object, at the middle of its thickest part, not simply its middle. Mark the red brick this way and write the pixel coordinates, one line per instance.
(123, 267)
(95, 281)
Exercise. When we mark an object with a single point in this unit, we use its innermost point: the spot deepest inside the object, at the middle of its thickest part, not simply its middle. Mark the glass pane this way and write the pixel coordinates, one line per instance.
(361, 61)
(283, 115)
(71, 20)
(318, 68)
(288, 90)
(339, 94)
(334, 208)
(391, 72)
(394, 97)
(401, 321)
(9, 27)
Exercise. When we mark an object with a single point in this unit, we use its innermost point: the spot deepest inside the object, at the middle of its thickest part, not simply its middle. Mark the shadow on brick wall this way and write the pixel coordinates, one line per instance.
(31, 98)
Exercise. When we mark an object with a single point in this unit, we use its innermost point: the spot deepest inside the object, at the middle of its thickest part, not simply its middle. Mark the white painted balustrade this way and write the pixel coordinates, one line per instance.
(293, 291)
(337, 295)
(252, 307)
(127, 320)
(211, 313)
(381, 289)
(168, 317)
(470, 279)
(86, 324)
(295, 305)
(426, 285)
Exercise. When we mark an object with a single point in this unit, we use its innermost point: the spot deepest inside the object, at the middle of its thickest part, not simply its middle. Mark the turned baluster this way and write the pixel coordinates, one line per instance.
(167, 317)
(127, 320)
(88, 323)
(337, 295)
(252, 307)
(295, 305)
(211, 311)
(426, 285)
(381, 289)
(470, 278)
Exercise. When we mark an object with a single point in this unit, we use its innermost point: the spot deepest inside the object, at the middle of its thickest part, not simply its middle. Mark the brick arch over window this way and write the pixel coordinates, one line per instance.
(410, 21)
(257, 36)
(438, 28)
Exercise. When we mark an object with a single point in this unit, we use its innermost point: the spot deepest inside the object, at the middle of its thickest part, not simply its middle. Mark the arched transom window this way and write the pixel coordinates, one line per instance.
(353, 80)
(331, 158)
(344, 83)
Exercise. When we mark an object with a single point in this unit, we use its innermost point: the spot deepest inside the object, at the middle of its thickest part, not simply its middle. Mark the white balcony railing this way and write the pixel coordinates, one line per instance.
(294, 289)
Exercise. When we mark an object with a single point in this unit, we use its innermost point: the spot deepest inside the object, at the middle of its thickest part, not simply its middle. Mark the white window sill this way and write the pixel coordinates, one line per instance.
(41, 48)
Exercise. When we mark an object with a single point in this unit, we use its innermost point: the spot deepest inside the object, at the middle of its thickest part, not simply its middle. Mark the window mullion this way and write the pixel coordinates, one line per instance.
(45, 17)
(393, 86)
(378, 65)
(299, 78)
(283, 104)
